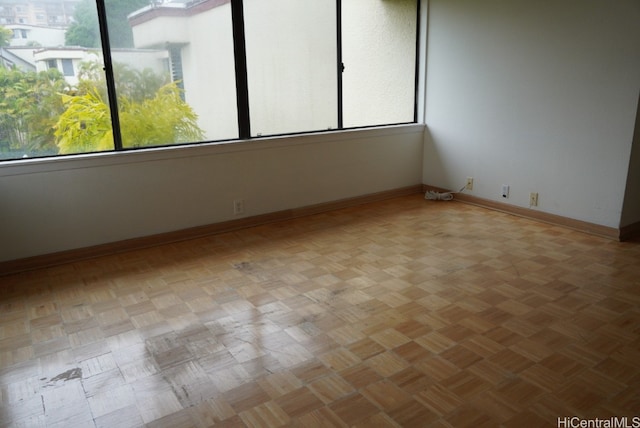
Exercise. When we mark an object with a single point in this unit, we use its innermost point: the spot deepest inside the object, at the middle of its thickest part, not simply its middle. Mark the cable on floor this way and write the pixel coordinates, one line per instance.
(432, 195)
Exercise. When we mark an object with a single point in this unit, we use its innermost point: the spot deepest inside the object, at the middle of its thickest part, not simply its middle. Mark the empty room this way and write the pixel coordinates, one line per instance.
(250, 213)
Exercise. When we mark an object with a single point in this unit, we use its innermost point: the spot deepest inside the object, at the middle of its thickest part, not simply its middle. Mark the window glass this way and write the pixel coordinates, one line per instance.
(175, 78)
(67, 67)
(291, 65)
(45, 111)
(379, 54)
(174, 72)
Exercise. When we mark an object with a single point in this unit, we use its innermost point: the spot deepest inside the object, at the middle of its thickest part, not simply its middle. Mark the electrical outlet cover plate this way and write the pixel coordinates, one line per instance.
(533, 199)
(469, 185)
(238, 206)
(505, 191)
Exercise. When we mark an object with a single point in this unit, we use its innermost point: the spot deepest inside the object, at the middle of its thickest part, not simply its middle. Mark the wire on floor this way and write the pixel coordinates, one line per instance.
(432, 195)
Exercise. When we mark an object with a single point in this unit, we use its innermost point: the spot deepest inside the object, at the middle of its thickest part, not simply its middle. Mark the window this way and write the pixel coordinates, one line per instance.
(213, 70)
(193, 101)
(67, 67)
(20, 34)
(379, 75)
(33, 109)
(291, 65)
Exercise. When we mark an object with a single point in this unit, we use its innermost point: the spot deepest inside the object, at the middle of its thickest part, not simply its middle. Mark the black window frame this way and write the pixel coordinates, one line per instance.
(242, 90)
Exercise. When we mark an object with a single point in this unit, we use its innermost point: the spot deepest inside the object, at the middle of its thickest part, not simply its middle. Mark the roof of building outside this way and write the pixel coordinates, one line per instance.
(176, 8)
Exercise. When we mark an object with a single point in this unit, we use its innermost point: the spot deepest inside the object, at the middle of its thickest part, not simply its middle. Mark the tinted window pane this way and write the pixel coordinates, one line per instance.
(49, 106)
(67, 67)
(175, 76)
(379, 53)
(291, 65)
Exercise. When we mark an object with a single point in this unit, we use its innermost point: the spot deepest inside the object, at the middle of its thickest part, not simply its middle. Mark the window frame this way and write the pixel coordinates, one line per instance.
(241, 80)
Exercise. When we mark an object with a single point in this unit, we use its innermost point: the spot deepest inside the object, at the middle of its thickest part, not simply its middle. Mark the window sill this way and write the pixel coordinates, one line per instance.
(91, 160)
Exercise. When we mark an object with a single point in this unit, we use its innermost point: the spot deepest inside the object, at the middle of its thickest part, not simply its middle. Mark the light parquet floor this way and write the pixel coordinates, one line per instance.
(400, 313)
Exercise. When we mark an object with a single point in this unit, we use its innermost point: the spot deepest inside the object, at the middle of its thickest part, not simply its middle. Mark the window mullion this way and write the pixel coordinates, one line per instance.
(240, 59)
(417, 69)
(108, 69)
(339, 63)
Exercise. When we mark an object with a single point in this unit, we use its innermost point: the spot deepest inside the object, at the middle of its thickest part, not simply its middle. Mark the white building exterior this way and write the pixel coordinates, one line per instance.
(19, 57)
(34, 35)
(68, 59)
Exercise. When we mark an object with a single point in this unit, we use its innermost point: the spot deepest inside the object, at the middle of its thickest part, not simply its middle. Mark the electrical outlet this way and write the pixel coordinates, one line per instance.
(533, 199)
(469, 185)
(238, 206)
(505, 191)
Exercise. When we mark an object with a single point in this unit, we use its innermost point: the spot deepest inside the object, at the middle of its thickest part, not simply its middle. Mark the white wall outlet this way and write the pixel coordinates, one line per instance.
(533, 199)
(238, 206)
(469, 185)
(505, 191)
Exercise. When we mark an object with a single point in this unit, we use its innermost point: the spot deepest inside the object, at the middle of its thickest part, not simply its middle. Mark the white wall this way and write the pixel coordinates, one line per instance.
(51, 205)
(537, 95)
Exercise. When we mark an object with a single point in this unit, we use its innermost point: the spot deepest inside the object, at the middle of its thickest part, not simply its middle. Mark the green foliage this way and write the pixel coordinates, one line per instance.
(137, 85)
(130, 83)
(30, 104)
(120, 34)
(151, 112)
(85, 29)
(163, 119)
(5, 36)
(85, 126)
(41, 114)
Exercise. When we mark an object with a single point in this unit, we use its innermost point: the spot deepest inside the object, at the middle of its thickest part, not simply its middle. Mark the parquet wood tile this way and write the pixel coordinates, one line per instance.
(402, 313)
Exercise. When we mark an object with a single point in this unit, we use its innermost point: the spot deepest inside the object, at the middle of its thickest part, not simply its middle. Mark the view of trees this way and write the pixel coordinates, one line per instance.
(30, 104)
(5, 36)
(40, 112)
(151, 112)
(85, 30)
